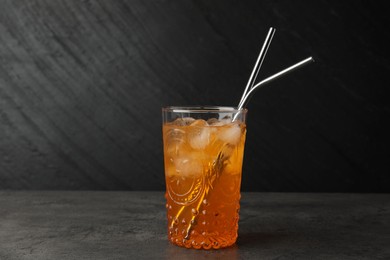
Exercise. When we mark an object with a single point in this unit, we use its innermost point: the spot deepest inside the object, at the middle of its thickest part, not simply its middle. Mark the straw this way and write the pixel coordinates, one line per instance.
(246, 96)
(259, 62)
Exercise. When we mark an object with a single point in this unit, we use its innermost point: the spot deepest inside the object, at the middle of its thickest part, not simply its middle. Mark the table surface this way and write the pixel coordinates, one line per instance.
(132, 225)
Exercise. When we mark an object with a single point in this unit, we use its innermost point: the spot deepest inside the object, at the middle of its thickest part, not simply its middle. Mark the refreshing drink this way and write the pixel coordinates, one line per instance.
(203, 155)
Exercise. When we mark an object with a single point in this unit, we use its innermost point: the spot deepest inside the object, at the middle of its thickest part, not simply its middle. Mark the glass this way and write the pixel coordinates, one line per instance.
(203, 155)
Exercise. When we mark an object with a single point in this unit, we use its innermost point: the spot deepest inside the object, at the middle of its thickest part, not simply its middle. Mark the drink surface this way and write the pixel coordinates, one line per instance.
(203, 165)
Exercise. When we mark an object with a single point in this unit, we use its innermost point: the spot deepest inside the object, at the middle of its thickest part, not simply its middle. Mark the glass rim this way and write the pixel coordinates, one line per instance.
(203, 109)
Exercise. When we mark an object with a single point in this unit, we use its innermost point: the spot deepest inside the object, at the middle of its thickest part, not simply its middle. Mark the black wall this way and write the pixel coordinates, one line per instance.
(82, 84)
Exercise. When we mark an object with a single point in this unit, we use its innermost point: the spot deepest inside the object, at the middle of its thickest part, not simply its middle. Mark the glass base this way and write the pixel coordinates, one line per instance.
(198, 241)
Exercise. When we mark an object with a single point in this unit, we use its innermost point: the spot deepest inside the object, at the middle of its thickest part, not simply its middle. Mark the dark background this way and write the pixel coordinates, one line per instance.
(82, 84)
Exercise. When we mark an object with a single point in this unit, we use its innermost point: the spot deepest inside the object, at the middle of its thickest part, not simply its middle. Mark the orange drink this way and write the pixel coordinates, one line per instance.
(203, 156)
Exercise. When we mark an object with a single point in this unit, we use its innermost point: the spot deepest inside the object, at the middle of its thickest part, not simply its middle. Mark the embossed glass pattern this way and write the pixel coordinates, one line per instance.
(203, 155)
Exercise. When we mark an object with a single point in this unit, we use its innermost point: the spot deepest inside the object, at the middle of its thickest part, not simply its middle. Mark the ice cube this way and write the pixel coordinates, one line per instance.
(216, 122)
(212, 121)
(199, 123)
(183, 121)
(170, 169)
(199, 134)
(189, 165)
(174, 140)
(230, 133)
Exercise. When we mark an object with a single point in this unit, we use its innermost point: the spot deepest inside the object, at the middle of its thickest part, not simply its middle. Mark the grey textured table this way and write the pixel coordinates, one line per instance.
(131, 225)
